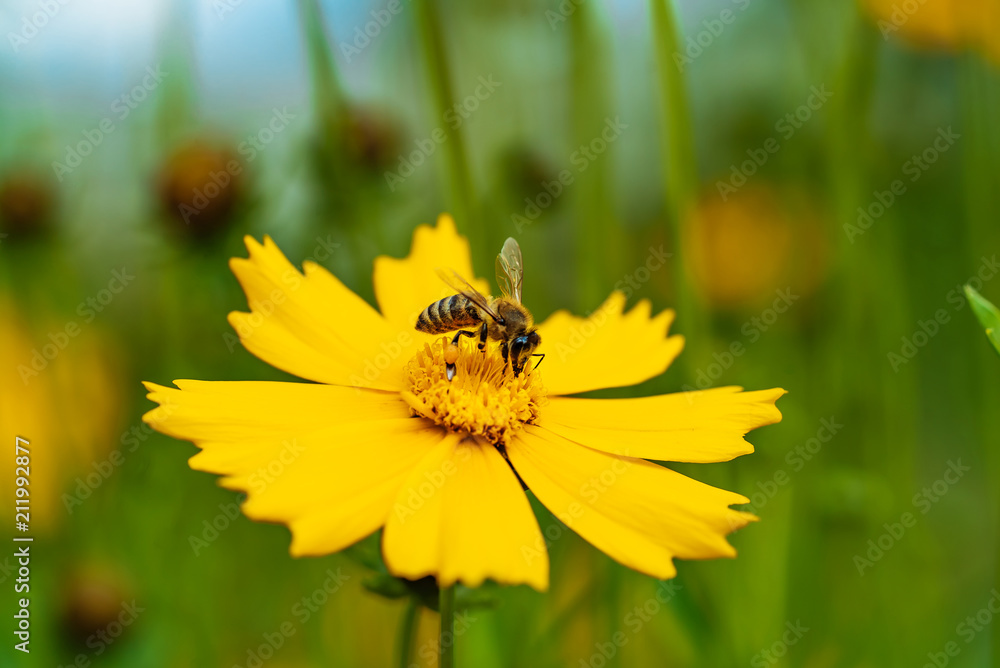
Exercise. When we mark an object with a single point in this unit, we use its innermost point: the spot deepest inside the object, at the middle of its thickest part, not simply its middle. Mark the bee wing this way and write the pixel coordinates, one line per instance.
(464, 288)
(510, 270)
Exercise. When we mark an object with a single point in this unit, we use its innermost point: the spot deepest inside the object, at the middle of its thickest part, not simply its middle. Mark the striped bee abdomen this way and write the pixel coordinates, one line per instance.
(448, 314)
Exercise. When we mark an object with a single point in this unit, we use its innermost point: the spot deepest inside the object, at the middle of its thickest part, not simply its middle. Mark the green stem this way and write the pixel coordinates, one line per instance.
(407, 633)
(326, 82)
(977, 85)
(677, 142)
(446, 638)
(596, 238)
(679, 161)
(462, 199)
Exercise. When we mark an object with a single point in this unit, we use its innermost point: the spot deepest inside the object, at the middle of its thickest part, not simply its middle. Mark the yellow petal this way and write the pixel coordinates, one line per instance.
(406, 287)
(232, 411)
(327, 461)
(311, 325)
(703, 426)
(639, 513)
(463, 516)
(608, 349)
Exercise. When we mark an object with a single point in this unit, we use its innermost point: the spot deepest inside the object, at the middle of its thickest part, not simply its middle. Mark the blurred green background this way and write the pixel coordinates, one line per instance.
(824, 176)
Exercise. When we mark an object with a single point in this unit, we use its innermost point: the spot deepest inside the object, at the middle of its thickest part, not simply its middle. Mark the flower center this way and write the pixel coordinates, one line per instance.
(484, 399)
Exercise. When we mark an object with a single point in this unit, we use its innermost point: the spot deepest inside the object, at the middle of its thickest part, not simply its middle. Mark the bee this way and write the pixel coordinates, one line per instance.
(502, 319)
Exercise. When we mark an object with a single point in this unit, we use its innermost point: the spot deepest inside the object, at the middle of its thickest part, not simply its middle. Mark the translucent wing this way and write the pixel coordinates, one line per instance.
(464, 288)
(510, 270)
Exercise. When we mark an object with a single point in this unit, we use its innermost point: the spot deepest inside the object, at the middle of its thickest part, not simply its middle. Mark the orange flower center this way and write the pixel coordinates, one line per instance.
(484, 399)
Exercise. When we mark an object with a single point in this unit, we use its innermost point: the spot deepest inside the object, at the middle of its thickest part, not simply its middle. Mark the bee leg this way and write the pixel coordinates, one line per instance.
(542, 355)
(505, 351)
(483, 332)
(451, 354)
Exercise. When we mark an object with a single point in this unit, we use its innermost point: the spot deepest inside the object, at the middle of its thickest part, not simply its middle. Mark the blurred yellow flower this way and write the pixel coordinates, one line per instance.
(943, 24)
(382, 440)
(60, 393)
(744, 247)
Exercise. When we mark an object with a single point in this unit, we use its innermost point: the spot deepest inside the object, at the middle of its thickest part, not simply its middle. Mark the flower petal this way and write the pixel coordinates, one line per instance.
(233, 411)
(701, 426)
(326, 460)
(311, 324)
(406, 287)
(639, 513)
(462, 515)
(610, 348)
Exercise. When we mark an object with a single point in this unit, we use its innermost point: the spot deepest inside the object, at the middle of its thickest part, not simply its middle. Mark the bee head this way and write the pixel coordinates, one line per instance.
(521, 348)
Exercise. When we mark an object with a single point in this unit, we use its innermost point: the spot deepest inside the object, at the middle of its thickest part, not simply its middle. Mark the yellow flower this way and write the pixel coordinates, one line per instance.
(944, 24)
(381, 439)
(745, 246)
(59, 393)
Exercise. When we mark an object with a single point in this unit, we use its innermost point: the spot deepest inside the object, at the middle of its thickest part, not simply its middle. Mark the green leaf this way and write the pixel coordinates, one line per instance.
(988, 315)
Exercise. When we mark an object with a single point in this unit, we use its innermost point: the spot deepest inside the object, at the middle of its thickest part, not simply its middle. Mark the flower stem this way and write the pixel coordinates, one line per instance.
(327, 92)
(679, 161)
(595, 216)
(446, 639)
(407, 632)
(462, 199)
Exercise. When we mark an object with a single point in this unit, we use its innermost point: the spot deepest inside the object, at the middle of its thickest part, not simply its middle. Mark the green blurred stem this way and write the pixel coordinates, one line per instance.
(462, 198)
(679, 160)
(446, 638)
(326, 83)
(595, 238)
(979, 93)
(407, 632)
(677, 142)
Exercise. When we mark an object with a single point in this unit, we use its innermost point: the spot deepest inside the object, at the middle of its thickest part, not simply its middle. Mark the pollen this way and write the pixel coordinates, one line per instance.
(485, 399)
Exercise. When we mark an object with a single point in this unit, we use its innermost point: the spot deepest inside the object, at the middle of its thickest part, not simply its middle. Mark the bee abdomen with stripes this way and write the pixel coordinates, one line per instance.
(448, 314)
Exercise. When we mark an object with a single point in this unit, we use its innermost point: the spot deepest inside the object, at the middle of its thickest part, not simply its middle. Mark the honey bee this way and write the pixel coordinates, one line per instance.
(502, 319)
